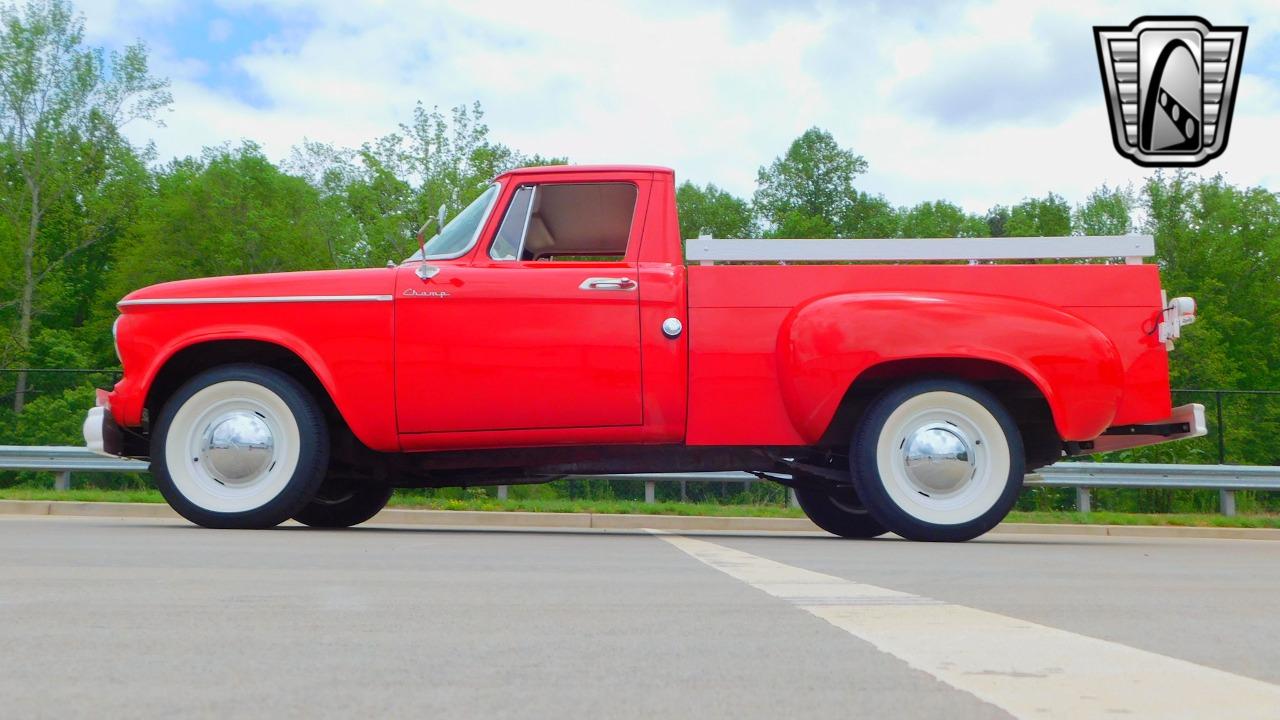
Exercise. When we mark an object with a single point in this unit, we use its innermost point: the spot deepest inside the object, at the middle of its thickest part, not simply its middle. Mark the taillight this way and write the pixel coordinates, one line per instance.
(1178, 312)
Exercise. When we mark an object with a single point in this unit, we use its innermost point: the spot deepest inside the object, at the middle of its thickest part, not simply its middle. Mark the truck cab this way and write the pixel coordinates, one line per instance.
(555, 327)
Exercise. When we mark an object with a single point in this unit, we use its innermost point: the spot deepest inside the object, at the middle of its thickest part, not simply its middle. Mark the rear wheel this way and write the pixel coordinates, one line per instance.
(239, 446)
(341, 504)
(937, 460)
(839, 511)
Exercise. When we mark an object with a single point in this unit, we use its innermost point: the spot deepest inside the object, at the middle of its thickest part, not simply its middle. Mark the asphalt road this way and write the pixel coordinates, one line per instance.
(131, 618)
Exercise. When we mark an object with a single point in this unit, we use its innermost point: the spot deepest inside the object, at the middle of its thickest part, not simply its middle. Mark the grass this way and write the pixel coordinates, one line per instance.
(81, 495)
(486, 504)
(635, 507)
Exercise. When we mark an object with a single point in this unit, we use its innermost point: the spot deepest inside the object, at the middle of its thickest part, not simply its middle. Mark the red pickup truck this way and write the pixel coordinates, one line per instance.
(553, 327)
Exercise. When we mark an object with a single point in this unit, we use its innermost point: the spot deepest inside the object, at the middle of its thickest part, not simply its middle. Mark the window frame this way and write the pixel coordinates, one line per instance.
(475, 237)
(524, 228)
(633, 240)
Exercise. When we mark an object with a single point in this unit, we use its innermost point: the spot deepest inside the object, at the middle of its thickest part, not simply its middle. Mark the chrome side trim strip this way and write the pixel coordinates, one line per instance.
(256, 299)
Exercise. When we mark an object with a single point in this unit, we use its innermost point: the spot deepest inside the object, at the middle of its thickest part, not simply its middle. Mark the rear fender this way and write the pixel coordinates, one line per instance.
(827, 344)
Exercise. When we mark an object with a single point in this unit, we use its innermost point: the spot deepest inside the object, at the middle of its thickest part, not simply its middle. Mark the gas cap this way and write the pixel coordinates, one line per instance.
(672, 328)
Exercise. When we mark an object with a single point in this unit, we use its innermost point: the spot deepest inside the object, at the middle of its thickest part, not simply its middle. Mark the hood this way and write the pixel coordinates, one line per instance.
(367, 281)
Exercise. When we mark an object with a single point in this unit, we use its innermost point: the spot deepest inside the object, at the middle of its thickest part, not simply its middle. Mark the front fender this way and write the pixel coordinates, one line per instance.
(353, 365)
(826, 344)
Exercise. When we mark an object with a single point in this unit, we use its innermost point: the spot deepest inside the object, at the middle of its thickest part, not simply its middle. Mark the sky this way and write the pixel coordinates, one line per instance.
(979, 103)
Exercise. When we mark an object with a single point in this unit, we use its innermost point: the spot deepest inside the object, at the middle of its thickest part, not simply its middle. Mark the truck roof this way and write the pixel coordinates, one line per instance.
(589, 168)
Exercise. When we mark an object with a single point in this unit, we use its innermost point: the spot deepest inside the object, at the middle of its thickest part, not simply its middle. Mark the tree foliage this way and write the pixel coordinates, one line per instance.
(61, 108)
(940, 219)
(710, 210)
(1107, 211)
(1049, 216)
(229, 212)
(809, 191)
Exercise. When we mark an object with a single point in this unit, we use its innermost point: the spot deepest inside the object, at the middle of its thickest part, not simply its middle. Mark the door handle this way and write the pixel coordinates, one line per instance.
(608, 283)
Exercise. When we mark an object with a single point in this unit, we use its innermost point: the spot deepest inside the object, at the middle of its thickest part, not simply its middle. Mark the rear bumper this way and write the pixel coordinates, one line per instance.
(101, 433)
(1187, 421)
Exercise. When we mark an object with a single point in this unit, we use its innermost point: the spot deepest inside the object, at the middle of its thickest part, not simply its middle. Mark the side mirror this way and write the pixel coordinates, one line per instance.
(422, 239)
(422, 231)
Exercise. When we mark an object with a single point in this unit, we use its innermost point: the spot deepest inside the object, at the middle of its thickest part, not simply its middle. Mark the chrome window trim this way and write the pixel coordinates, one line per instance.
(255, 299)
(484, 220)
(524, 228)
(528, 215)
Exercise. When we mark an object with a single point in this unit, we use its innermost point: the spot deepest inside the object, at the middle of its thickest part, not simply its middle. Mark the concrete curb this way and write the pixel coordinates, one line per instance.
(470, 518)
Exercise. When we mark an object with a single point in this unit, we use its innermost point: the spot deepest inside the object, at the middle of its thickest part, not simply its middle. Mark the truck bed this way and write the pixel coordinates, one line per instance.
(737, 315)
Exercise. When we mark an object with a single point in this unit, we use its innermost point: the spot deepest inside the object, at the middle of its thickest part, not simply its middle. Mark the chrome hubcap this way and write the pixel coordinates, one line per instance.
(238, 448)
(938, 458)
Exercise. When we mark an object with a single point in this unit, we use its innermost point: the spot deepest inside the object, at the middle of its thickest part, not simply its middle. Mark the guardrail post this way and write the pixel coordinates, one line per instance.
(1227, 502)
(792, 501)
(62, 481)
(1222, 430)
(648, 491)
(1082, 500)
(502, 492)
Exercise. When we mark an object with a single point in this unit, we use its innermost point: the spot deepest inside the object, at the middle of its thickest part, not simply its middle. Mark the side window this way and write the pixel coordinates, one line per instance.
(584, 221)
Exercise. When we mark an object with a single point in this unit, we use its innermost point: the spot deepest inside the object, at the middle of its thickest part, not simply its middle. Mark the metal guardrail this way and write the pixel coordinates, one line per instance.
(64, 460)
(1226, 479)
(1083, 476)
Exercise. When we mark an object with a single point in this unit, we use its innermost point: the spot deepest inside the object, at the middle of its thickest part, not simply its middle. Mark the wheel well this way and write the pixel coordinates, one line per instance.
(1018, 393)
(194, 359)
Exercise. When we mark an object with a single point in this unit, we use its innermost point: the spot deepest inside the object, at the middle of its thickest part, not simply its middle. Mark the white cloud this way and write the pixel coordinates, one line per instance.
(220, 29)
(979, 103)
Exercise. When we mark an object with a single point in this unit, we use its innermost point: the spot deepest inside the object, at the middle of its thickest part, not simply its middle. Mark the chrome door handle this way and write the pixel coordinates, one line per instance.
(608, 283)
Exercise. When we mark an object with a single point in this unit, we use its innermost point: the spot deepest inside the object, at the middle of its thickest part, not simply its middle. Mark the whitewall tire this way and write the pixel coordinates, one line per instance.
(937, 459)
(240, 446)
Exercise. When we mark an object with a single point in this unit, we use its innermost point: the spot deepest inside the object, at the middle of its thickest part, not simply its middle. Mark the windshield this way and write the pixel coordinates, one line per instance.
(460, 233)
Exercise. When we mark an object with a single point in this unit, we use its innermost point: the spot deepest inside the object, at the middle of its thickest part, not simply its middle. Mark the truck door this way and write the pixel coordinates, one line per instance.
(539, 331)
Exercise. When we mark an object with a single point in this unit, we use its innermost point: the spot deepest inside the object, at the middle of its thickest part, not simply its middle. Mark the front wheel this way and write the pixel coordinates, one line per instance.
(937, 460)
(240, 446)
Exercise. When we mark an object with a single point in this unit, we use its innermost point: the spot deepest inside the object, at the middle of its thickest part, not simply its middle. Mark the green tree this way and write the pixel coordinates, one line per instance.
(810, 188)
(61, 107)
(454, 157)
(711, 210)
(364, 198)
(229, 212)
(1049, 216)
(941, 219)
(869, 216)
(1107, 211)
(387, 188)
(997, 219)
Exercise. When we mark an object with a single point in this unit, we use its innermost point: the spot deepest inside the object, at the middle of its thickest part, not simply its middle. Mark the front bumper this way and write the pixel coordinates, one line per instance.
(101, 433)
(1187, 421)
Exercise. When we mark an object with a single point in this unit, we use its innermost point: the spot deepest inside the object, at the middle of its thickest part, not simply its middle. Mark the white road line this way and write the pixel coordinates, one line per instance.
(1029, 670)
